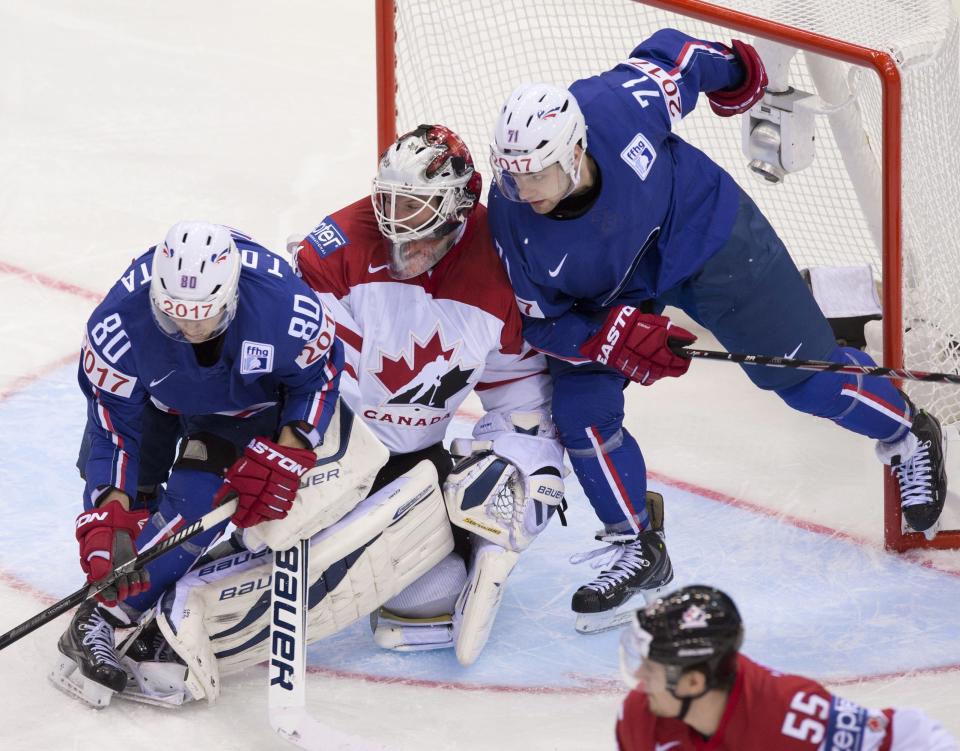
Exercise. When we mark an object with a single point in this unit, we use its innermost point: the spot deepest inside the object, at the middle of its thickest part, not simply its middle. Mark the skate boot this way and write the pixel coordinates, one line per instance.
(421, 616)
(89, 668)
(637, 568)
(155, 672)
(918, 464)
(148, 645)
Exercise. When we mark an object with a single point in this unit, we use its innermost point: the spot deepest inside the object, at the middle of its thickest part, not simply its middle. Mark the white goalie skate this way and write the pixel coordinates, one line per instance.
(155, 675)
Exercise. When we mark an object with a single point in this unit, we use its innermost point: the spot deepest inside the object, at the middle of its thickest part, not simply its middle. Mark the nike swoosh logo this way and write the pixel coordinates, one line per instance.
(161, 380)
(554, 272)
(794, 353)
(371, 269)
(665, 746)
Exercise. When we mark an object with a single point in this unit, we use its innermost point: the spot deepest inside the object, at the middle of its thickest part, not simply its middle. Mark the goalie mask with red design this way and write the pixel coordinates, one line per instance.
(424, 190)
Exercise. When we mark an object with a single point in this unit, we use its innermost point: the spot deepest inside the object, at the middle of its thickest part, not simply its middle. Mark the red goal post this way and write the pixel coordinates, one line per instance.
(883, 189)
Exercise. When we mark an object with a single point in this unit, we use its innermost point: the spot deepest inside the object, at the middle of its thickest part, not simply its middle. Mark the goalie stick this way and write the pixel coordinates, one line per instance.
(204, 523)
(287, 670)
(817, 365)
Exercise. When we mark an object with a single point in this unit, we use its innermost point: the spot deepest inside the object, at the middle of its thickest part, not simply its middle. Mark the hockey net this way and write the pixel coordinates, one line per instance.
(881, 192)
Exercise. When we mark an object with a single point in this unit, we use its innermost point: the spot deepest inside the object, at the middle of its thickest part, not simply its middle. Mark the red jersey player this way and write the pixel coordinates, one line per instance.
(694, 691)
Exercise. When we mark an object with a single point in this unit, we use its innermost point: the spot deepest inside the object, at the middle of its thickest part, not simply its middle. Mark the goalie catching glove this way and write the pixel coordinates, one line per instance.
(639, 345)
(106, 536)
(265, 479)
(509, 482)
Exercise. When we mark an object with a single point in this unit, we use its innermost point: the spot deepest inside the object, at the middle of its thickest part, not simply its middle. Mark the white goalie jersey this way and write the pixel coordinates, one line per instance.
(416, 348)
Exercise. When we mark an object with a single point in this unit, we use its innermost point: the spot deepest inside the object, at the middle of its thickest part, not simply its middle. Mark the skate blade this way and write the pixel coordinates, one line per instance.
(597, 623)
(66, 676)
(395, 639)
(171, 701)
(932, 531)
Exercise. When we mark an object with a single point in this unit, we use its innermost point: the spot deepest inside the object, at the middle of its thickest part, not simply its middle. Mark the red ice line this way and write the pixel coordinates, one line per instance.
(592, 685)
(48, 281)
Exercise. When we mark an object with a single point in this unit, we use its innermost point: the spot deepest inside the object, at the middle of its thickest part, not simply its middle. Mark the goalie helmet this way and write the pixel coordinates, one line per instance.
(430, 162)
(194, 283)
(694, 626)
(425, 188)
(539, 126)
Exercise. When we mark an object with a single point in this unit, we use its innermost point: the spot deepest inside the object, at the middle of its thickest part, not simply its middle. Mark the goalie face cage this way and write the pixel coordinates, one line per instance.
(882, 190)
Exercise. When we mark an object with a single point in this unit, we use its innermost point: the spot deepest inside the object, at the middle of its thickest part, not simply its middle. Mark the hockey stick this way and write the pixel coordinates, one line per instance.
(287, 670)
(204, 523)
(817, 365)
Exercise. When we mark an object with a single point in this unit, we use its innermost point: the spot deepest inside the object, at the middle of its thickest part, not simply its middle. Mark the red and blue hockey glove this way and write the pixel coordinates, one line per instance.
(265, 479)
(729, 102)
(107, 540)
(638, 345)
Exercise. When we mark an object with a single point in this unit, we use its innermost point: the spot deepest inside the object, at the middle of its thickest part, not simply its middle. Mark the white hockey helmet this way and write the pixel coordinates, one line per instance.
(431, 162)
(194, 287)
(539, 126)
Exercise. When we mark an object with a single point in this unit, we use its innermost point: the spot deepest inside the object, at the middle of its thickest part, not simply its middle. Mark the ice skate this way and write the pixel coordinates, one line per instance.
(403, 634)
(155, 673)
(89, 668)
(147, 644)
(421, 616)
(638, 569)
(918, 463)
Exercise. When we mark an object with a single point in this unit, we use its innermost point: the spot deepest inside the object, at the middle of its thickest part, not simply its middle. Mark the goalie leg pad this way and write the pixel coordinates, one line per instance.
(388, 541)
(348, 460)
(480, 600)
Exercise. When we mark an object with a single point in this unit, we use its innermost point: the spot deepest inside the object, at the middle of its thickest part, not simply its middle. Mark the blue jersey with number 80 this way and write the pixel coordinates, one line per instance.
(279, 348)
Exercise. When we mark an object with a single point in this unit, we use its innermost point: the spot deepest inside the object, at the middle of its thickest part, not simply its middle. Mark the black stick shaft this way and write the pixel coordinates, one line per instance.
(817, 365)
(204, 523)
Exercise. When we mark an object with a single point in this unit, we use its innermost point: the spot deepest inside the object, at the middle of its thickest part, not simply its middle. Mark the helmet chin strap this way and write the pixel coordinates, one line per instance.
(575, 177)
(686, 701)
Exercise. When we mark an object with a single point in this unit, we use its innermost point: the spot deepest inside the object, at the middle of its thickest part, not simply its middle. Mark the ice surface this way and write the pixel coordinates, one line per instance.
(118, 119)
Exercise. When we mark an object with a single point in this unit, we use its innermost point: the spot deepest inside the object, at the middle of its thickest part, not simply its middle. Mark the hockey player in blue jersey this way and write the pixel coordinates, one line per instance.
(211, 342)
(598, 238)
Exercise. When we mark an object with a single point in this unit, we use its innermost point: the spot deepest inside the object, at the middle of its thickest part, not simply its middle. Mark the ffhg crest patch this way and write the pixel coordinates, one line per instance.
(640, 155)
(256, 357)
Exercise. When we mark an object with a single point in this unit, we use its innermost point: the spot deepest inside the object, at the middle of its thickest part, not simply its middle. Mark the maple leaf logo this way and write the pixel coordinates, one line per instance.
(426, 378)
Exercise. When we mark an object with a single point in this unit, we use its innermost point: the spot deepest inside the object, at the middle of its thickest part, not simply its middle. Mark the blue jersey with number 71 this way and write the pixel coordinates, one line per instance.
(280, 348)
(664, 207)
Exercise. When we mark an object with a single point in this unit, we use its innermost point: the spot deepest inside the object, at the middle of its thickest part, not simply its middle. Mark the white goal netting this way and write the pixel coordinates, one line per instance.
(457, 60)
